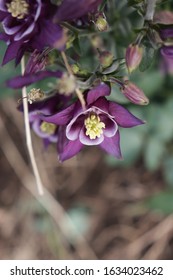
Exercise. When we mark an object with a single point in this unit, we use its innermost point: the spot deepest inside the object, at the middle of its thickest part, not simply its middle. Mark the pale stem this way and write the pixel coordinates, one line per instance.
(70, 72)
(151, 4)
(28, 135)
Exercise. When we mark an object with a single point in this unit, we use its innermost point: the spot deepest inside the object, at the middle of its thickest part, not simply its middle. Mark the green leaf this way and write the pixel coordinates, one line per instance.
(168, 170)
(76, 45)
(162, 202)
(148, 57)
(154, 152)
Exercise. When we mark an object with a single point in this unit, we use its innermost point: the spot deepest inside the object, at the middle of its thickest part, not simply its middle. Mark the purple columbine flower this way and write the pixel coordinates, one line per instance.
(28, 25)
(98, 124)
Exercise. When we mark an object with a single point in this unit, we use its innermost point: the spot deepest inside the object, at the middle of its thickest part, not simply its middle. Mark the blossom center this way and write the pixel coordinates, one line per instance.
(18, 8)
(94, 127)
(48, 128)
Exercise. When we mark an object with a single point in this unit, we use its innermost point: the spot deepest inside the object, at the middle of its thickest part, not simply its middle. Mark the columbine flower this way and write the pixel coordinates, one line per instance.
(98, 124)
(28, 25)
(133, 57)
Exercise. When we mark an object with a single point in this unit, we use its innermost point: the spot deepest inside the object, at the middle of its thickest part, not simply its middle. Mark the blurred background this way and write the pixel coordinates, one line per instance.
(94, 206)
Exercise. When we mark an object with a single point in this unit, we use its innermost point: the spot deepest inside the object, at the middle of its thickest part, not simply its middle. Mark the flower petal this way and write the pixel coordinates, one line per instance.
(87, 141)
(111, 126)
(112, 145)
(98, 91)
(122, 116)
(62, 117)
(11, 52)
(67, 148)
(74, 127)
(73, 9)
(27, 79)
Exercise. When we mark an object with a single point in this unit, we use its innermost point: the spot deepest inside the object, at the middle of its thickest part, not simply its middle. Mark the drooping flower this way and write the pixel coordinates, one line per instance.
(98, 124)
(28, 25)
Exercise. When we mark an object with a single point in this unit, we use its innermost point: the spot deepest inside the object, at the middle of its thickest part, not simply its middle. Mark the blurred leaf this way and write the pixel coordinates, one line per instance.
(153, 153)
(168, 170)
(148, 57)
(131, 145)
(76, 45)
(162, 202)
(150, 82)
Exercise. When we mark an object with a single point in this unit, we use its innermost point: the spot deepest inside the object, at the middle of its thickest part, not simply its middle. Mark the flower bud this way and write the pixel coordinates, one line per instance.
(163, 17)
(133, 57)
(100, 22)
(134, 94)
(106, 58)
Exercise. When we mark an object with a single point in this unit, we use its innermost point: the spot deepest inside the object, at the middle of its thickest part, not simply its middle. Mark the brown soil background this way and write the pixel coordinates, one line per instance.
(118, 226)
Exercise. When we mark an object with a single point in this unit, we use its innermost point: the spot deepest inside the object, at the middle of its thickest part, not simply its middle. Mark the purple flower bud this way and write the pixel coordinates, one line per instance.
(134, 94)
(167, 51)
(163, 17)
(133, 57)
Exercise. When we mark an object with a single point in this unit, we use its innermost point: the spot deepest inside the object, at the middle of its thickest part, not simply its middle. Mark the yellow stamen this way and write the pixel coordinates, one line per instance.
(94, 127)
(48, 128)
(18, 8)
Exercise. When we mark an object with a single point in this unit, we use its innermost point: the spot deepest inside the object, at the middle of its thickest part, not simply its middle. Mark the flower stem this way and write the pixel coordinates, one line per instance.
(78, 92)
(150, 9)
(28, 135)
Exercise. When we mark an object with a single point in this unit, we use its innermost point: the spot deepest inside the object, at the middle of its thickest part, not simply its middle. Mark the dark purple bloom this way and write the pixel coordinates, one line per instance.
(28, 25)
(98, 124)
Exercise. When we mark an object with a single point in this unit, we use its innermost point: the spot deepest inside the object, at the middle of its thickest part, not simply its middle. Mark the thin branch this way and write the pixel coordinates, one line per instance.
(70, 72)
(28, 135)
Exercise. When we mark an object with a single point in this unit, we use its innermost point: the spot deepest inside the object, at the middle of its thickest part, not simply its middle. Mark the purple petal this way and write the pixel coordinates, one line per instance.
(27, 79)
(112, 145)
(74, 127)
(111, 126)
(87, 141)
(67, 148)
(166, 33)
(73, 9)
(101, 104)
(122, 116)
(167, 51)
(11, 52)
(99, 91)
(61, 118)
(50, 35)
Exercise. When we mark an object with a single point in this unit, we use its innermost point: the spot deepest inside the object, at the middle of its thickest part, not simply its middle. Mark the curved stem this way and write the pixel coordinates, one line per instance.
(28, 135)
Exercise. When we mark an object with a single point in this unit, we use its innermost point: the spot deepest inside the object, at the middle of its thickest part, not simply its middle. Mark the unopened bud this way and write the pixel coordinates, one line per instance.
(67, 84)
(133, 57)
(100, 22)
(106, 58)
(163, 17)
(35, 95)
(134, 94)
